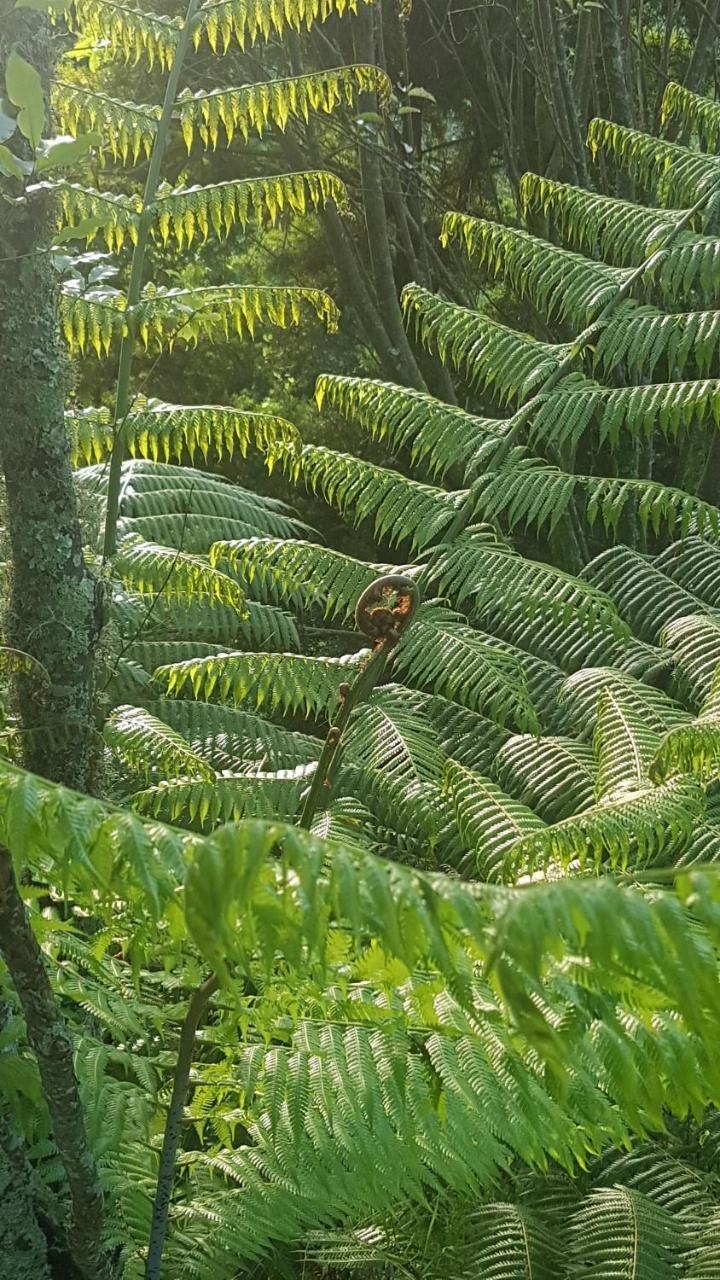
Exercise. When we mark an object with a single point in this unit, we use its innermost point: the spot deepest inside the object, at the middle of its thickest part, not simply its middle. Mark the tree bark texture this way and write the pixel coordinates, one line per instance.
(53, 599)
(50, 1040)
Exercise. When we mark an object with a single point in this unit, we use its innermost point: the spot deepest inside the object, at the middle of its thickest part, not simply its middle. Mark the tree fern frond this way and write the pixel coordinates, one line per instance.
(625, 233)
(622, 412)
(302, 572)
(488, 355)
(166, 432)
(228, 797)
(562, 284)
(150, 654)
(232, 740)
(699, 113)
(658, 506)
(439, 435)
(188, 212)
(402, 510)
(129, 31)
(525, 490)
(165, 316)
(152, 747)
(633, 826)
(280, 681)
(694, 747)
(643, 337)
(695, 643)
(127, 128)
(674, 173)
(441, 654)
(222, 21)
(642, 594)
(566, 642)
(695, 566)
(256, 107)
(490, 821)
(624, 746)
(508, 1242)
(659, 1174)
(390, 738)
(477, 570)
(151, 569)
(471, 739)
(553, 776)
(582, 690)
(619, 1232)
(263, 626)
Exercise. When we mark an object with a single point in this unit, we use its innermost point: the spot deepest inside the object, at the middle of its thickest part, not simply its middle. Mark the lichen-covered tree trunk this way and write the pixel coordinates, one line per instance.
(52, 610)
(22, 1244)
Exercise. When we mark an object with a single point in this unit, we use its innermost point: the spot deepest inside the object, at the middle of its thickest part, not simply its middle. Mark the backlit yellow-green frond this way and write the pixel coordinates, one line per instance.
(170, 432)
(128, 129)
(279, 681)
(151, 569)
(673, 173)
(222, 21)
(275, 102)
(196, 210)
(701, 114)
(129, 31)
(166, 316)
(152, 747)
(114, 216)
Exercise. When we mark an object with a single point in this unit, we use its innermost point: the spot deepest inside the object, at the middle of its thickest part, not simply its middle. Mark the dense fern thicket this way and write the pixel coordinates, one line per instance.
(537, 987)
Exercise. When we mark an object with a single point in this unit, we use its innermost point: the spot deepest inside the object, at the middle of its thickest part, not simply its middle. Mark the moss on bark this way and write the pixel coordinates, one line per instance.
(51, 612)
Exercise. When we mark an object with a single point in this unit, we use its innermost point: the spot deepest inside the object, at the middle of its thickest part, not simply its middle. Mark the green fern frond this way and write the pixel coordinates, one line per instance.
(166, 316)
(658, 506)
(695, 644)
(632, 827)
(624, 747)
(552, 776)
(152, 747)
(625, 412)
(677, 1185)
(691, 109)
(302, 573)
(402, 510)
(508, 1242)
(256, 107)
(222, 21)
(391, 737)
(618, 1232)
(441, 654)
(204, 805)
(127, 128)
(672, 172)
(490, 821)
(440, 435)
(164, 432)
(151, 569)
(641, 338)
(703, 1258)
(261, 626)
(126, 30)
(280, 681)
(488, 355)
(625, 233)
(188, 212)
(641, 592)
(562, 284)
(525, 490)
(582, 691)
(694, 747)
(695, 566)
(471, 739)
(114, 215)
(477, 571)
(232, 740)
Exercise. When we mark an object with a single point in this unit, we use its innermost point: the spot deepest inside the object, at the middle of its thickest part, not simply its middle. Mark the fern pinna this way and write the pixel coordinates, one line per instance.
(539, 982)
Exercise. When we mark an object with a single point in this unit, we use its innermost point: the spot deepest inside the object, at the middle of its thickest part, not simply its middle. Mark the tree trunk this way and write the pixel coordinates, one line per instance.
(53, 604)
(23, 1248)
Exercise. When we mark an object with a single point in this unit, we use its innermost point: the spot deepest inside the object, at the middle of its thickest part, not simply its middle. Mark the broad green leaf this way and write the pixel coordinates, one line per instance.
(24, 89)
(65, 151)
(9, 163)
(8, 125)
